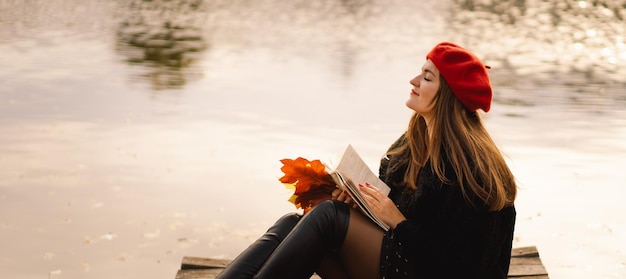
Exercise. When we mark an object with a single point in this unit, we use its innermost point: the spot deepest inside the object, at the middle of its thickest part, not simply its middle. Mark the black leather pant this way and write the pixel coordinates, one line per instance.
(293, 249)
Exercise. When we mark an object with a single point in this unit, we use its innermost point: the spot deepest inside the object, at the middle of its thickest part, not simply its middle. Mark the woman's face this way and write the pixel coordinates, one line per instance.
(425, 87)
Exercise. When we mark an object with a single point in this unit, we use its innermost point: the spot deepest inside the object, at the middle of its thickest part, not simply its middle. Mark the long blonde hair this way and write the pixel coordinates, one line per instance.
(460, 136)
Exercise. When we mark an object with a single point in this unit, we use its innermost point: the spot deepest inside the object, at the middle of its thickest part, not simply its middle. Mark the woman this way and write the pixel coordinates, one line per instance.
(450, 210)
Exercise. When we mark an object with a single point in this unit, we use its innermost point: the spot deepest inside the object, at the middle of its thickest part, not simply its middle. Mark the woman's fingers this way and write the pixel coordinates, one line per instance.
(371, 191)
(343, 196)
(348, 199)
(382, 206)
(336, 193)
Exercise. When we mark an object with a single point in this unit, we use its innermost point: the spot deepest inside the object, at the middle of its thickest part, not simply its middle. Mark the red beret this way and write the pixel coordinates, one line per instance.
(465, 74)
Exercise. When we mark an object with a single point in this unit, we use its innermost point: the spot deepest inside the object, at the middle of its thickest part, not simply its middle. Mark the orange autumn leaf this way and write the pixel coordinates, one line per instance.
(304, 173)
(310, 180)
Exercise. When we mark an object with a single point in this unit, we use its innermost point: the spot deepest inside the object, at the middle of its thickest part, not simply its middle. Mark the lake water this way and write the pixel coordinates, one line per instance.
(133, 133)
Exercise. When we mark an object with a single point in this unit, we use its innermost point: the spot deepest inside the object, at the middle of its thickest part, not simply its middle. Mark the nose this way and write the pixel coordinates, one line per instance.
(415, 81)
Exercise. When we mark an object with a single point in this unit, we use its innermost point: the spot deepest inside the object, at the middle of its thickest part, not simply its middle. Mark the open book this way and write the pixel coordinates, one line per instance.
(353, 171)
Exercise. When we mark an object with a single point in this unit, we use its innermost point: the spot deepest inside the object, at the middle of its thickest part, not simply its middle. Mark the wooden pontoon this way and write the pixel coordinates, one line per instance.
(525, 264)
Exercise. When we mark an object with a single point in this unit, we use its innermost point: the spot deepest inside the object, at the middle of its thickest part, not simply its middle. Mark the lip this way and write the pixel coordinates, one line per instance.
(414, 93)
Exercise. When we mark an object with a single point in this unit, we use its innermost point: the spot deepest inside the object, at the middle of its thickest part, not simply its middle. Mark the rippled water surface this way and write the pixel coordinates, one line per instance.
(133, 133)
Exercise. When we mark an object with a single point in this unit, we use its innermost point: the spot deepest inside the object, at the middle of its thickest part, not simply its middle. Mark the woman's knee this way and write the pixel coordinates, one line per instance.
(332, 217)
(282, 227)
(332, 206)
(289, 218)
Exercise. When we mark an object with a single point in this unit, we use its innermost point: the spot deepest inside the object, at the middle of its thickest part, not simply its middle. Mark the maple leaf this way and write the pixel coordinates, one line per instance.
(310, 181)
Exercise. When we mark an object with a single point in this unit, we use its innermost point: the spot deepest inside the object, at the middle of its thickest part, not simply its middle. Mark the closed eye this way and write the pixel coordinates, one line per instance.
(428, 72)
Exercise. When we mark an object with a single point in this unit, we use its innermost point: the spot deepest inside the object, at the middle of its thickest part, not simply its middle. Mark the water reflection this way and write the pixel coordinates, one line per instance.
(288, 29)
(560, 43)
(164, 38)
(93, 170)
(563, 35)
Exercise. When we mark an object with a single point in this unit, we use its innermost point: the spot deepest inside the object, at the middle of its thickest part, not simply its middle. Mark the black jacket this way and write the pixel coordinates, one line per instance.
(444, 236)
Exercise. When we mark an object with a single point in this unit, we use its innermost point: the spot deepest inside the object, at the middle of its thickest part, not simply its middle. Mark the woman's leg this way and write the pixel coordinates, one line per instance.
(331, 267)
(359, 256)
(320, 231)
(360, 252)
(248, 263)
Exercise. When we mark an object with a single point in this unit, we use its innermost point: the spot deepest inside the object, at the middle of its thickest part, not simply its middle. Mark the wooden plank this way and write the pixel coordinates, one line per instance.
(207, 274)
(525, 270)
(198, 273)
(525, 264)
(525, 260)
(530, 251)
(203, 263)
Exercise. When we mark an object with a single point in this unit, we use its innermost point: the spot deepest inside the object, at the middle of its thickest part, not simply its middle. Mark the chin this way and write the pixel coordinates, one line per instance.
(409, 105)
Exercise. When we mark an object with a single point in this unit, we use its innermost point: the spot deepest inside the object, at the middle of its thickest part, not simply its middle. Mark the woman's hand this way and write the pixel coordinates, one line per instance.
(381, 205)
(342, 195)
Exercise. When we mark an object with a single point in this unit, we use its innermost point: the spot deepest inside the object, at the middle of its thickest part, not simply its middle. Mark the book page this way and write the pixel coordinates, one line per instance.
(353, 167)
(358, 199)
(353, 171)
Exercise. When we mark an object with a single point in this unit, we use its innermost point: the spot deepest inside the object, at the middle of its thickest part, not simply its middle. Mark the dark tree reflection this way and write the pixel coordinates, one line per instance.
(163, 39)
